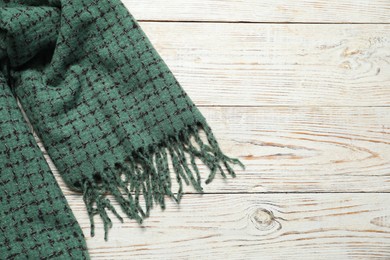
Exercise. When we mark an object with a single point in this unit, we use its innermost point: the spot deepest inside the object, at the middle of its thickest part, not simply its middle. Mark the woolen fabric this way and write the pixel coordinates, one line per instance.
(113, 118)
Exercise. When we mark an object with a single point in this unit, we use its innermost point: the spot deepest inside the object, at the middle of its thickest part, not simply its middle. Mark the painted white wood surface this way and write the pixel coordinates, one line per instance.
(319, 11)
(304, 105)
(251, 226)
(278, 64)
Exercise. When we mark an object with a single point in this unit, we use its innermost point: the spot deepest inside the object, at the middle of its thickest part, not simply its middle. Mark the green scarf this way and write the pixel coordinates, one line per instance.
(110, 113)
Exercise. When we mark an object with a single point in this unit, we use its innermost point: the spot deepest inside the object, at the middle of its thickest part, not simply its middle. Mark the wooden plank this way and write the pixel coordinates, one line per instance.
(250, 226)
(318, 11)
(277, 64)
(302, 149)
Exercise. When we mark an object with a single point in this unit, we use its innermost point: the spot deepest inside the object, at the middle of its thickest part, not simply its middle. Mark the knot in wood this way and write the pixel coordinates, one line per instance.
(264, 218)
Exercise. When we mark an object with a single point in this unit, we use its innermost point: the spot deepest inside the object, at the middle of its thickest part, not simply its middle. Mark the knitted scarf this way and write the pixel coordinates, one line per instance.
(111, 115)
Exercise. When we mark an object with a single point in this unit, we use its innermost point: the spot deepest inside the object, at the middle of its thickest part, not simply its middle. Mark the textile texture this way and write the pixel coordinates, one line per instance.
(111, 115)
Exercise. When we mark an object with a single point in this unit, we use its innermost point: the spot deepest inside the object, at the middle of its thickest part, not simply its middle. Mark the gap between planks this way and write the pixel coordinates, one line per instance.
(250, 22)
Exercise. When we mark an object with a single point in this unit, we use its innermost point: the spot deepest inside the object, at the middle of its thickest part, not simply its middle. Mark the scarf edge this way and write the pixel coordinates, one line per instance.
(146, 172)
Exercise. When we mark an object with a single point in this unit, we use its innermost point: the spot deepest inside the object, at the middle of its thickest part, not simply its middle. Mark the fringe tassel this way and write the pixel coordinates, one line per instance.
(147, 173)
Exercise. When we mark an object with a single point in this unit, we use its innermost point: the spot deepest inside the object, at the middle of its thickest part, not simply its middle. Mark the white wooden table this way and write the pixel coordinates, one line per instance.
(300, 91)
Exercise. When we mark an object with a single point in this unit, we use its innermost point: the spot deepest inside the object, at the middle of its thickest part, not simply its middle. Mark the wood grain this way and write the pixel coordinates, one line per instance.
(308, 11)
(251, 226)
(299, 91)
(302, 149)
(277, 64)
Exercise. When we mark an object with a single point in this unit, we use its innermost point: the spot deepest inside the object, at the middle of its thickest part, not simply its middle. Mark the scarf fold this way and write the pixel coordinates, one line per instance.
(35, 219)
(110, 113)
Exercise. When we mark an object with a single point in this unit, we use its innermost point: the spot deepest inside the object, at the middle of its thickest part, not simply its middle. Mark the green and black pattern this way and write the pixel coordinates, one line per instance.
(108, 110)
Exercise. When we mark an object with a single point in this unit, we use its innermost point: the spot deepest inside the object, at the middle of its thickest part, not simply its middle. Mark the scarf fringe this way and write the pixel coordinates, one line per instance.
(146, 172)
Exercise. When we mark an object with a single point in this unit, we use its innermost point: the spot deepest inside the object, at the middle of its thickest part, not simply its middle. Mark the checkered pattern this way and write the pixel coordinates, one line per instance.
(103, 102)
(35, 219)
(98, 90)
